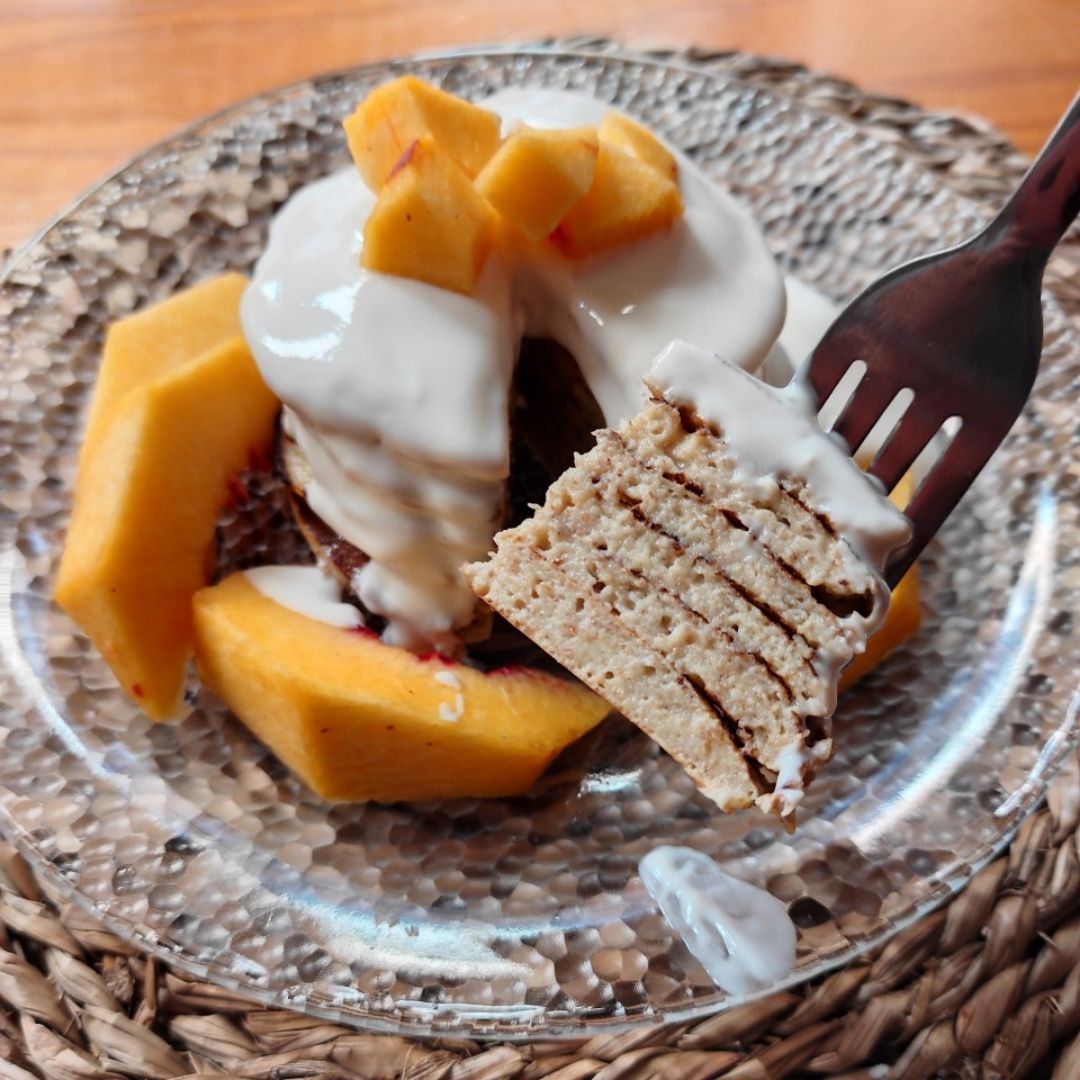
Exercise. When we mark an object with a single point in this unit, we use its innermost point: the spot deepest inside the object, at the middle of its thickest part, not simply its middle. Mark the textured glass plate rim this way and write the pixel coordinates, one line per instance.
(1019, 805)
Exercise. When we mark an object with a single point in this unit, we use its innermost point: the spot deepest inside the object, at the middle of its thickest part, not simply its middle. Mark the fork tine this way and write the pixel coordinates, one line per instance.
(864, 409)
(827, 365)
(905, 443)
(950, 477)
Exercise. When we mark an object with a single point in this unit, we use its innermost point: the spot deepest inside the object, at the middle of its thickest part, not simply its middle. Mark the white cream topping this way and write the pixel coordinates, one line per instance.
(397, 392)
(792, 763)
(307, 590)
(739, 933)
(453, 711)
(809, 314)
(397, 395)
(774, 433)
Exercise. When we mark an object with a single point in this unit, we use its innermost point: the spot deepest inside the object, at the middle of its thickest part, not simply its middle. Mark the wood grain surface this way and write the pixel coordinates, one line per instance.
(86, 83)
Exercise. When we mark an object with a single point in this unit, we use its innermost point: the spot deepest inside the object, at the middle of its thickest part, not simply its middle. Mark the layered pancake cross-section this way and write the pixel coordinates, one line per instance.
(710, 596)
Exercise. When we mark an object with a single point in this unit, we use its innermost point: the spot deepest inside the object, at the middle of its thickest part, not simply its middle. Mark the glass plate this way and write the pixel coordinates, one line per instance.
(516, 917)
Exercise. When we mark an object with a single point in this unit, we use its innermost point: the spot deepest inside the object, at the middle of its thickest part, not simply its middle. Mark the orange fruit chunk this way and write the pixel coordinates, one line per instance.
(537, 177)
(617, 129)
(147, 501)
(358, 719)
(392, 117)
(154, 341)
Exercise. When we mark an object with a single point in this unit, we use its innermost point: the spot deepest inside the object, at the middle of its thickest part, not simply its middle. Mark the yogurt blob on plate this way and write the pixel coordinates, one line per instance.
(739, 933)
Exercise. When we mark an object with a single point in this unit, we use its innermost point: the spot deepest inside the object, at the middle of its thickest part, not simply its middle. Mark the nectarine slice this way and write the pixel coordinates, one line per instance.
(358, 719)
(155, 341)
(638, 141)
(903, 619)
(395, 115)
(146, 505)
(904, 615)
(537, 177)
(628, 201)
(429, 222)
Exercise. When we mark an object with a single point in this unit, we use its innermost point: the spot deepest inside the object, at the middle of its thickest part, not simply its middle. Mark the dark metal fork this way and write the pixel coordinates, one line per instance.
(962, 330)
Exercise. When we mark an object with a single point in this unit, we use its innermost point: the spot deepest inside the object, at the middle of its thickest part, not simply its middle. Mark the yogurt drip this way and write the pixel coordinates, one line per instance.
(774, 433)
(739, 933)
(398, 393)
(307, 590)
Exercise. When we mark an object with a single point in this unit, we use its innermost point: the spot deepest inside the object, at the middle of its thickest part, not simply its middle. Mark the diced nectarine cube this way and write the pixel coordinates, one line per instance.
(628, 201)
(153, 342)
(147, 501)
(429, 222)
(537, 177)
(394, 116)
(638, 141)
(358, 719)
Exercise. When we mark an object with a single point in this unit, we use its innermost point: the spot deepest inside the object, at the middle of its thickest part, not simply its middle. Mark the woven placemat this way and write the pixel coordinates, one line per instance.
(988, 986)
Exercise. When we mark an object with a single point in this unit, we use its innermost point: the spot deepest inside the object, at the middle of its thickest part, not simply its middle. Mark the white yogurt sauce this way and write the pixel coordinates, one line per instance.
(307, 590)
(809, 314)
(451, 713)
(397, 392)
(739, 933)
(710, 279)
(774, 432)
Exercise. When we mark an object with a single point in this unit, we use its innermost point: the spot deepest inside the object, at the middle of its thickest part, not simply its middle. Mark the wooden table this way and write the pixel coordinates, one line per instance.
(86, 83)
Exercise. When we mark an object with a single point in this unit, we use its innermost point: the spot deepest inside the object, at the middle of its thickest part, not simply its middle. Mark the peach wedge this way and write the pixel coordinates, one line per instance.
(146, 506)
(905, 610)
(154, 341)
(358, 719)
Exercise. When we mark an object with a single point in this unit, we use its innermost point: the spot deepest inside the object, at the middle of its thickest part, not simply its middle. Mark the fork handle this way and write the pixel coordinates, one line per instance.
(1047, 201)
